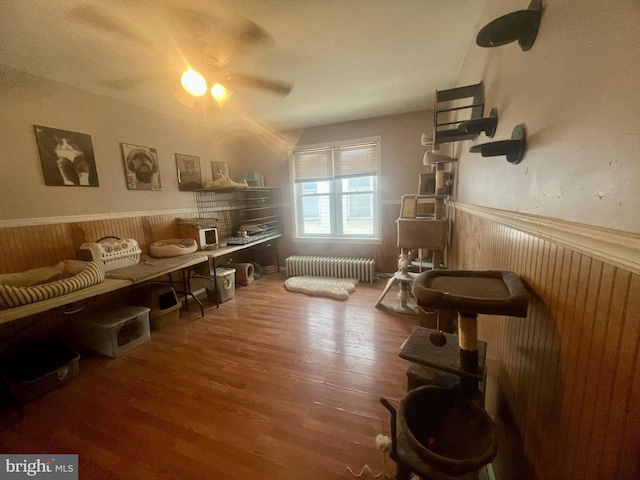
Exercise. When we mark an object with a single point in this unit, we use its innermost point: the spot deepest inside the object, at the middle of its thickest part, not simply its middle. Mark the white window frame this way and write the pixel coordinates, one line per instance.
(335, 195)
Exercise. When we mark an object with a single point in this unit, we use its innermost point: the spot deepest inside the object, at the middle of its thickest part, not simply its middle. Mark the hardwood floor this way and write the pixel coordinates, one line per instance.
(271, 385)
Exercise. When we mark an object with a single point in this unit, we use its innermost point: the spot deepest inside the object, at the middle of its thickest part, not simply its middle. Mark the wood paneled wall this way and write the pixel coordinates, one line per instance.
(24, 248)
(27, 247)
(563, 383)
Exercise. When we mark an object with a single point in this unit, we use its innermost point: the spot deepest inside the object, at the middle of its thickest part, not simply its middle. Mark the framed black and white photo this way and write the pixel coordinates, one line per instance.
(189, 173)
(66, 157)
(220, 170)
(141, 167)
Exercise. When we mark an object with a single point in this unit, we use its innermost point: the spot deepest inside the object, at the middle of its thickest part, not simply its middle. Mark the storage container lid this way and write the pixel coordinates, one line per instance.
(113, 317)
(221, 272)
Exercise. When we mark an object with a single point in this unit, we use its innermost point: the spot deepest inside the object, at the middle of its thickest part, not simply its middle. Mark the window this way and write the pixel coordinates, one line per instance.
(336, 189)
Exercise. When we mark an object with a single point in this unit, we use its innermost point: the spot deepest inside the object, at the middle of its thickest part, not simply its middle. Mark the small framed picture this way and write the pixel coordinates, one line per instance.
(66, 158)
(141, 167)
(220, 170)
(189, 173)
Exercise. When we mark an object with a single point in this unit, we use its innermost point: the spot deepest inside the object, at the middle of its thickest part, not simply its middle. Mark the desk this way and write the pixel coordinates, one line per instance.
(34, 308)
(147, 269)
(213, 254)
(221, 252)
(150, 268)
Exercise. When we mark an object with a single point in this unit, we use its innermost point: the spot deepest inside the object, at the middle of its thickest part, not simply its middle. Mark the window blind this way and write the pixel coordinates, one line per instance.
(312, 165)
(335, 161)
(355, 160)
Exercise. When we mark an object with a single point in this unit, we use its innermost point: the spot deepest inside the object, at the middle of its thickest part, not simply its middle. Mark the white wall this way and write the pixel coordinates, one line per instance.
(401, 150)
(577, 92)
(27, 100)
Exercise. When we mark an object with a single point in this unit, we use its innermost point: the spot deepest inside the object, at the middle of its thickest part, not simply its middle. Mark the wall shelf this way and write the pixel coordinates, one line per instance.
(513, 149)
(521, 26)
(453, 107)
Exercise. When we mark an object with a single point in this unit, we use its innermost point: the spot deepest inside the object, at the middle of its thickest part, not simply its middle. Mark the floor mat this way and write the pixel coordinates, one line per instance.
(338, 288)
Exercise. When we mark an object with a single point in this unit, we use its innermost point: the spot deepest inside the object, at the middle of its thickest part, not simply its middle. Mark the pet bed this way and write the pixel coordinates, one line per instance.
(173, 247)
(48, 282)
(338, 288)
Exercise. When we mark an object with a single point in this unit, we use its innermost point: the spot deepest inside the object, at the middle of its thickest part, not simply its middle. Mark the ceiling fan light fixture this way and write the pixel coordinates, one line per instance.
(220, 93)
(194, 83)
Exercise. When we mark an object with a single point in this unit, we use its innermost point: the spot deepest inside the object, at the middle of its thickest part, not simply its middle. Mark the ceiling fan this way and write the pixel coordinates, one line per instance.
(204, 45)
(204, 34)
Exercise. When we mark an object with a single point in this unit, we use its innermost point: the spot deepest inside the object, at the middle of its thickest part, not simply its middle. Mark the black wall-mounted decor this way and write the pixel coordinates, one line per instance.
(521, 25)
(453, 107)
(487, 125)
(513, 149)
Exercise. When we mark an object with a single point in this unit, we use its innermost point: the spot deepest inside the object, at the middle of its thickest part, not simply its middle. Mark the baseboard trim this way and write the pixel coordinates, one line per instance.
(615, 247)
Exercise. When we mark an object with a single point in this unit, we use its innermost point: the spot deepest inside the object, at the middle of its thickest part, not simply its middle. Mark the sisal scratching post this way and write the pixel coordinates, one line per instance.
(440, 185)
(468, 343)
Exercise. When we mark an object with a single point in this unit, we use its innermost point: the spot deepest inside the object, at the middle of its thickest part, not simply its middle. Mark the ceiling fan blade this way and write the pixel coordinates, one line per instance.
(278, 87)
(194, 24)
(252, 34)
(95, 19)
(216, 40)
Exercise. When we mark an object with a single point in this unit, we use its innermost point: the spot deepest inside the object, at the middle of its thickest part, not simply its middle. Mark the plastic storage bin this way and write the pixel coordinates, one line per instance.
(162, 302)
(225, 278)
(115, 332)
(39, 367)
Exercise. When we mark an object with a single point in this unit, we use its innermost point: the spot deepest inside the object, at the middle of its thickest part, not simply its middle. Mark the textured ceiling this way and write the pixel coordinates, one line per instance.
(346, 59)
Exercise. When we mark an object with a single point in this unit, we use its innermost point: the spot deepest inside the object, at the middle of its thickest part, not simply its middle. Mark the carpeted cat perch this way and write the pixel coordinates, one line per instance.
(338, 288)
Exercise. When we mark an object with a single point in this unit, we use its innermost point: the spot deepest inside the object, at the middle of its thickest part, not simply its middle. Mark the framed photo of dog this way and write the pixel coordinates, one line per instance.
(66, 157)
(141, 167)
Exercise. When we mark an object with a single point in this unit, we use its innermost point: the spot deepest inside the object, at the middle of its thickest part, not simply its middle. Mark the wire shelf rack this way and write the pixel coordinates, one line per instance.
(256, 211)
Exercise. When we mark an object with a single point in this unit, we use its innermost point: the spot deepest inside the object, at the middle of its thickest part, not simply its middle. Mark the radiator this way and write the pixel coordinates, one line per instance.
(364, 269)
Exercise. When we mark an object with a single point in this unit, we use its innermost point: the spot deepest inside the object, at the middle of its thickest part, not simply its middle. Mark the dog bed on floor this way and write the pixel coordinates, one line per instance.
(338, 288)
(48, 282)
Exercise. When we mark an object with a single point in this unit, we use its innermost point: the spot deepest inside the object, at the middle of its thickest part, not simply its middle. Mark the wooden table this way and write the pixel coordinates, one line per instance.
(229, 249)
(148, 269)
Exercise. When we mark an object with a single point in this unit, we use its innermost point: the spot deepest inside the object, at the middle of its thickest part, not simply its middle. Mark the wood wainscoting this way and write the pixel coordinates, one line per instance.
(33, 243)
(32, 246)
(45, 243)
(562, 383)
